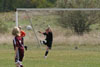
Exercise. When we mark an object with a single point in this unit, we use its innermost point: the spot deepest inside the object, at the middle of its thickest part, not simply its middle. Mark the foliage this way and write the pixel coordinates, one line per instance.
(3, 27)
(78, 3)
(79, 21)
(6, 5)
(9, 5)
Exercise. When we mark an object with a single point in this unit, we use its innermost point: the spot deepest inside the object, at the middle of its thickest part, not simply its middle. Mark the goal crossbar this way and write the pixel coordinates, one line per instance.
(59, 9)
(53, 9)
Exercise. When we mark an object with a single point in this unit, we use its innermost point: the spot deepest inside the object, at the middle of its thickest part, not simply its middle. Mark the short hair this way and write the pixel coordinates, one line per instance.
(15, 31)
(48, 29)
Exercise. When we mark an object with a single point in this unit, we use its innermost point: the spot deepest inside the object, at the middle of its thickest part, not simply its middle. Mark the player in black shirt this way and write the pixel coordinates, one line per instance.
(48, 41)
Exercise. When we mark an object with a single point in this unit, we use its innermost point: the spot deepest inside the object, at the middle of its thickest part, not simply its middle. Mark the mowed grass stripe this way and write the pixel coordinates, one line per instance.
(56, 58)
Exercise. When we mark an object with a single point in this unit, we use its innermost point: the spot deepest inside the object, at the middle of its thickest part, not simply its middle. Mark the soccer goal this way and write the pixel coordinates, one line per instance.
(40, 18)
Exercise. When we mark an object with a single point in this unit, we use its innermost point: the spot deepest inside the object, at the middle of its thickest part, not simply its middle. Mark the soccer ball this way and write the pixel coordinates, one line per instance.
(29, 27)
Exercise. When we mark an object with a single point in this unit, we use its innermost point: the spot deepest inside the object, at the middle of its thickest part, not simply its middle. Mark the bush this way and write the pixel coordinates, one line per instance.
(79, 21)
(3, 27)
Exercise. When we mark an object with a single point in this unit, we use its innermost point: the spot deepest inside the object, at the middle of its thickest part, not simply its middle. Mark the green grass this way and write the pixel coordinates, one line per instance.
(59, 56)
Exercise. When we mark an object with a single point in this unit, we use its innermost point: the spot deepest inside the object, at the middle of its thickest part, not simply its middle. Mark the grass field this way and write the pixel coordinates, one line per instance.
(63, 53)
(59, 56)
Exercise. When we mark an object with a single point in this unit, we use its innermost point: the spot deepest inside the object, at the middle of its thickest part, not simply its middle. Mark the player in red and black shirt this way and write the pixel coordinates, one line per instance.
(18, 47)
(48, 41)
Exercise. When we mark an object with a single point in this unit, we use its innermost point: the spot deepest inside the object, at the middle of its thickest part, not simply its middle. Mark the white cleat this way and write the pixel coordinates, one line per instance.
(41, 42)
(45, 57)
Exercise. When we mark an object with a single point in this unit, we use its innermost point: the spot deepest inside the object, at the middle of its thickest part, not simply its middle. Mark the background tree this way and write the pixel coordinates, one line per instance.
(78, 3)
(79, 21)
(11, 5)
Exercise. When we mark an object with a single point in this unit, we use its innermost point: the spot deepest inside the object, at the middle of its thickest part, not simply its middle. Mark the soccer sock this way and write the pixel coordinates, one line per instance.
(46, 53)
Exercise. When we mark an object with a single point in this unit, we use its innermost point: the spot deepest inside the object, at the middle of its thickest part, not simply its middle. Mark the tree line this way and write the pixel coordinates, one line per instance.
(11, 5)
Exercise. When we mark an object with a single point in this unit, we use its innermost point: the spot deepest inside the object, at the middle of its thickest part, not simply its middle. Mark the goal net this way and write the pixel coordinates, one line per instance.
(67, 25)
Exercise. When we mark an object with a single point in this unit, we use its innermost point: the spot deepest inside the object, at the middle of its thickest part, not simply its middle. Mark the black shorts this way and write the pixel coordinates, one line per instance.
(48, 43)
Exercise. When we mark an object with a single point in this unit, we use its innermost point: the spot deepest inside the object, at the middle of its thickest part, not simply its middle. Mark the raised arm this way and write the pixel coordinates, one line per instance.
(40, 32)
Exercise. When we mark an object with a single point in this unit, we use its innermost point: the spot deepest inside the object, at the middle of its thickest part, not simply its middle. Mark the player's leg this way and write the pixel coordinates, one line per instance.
(47, 51)
(17, 62)
(21, 58)
(44, 42)
(49, 46)
(17, 59)
(21, 64)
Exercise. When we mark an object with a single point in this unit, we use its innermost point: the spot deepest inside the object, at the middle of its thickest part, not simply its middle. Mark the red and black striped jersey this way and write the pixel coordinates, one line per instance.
(18, 42)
